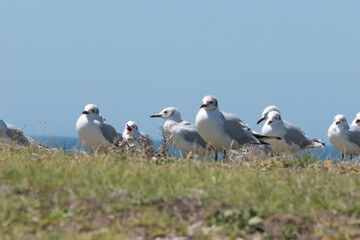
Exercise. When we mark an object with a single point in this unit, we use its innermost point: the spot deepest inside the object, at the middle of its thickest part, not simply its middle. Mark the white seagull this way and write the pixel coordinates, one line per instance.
(293, 139)
(266, 112)
(224, 131)
(356, 120)
(9, 132)
(94, 131)
(133, 136)
(344, 138)
(184, 135)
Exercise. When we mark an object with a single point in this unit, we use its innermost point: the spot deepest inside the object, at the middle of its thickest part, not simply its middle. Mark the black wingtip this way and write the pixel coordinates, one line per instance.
(258, 136)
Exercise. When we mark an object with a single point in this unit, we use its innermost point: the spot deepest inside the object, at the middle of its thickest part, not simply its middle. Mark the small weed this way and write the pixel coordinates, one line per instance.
(235, 218)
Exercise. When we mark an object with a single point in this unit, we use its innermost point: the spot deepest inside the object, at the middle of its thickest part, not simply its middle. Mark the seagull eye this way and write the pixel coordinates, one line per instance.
(211, 102)
(93, 110)
(165, 112)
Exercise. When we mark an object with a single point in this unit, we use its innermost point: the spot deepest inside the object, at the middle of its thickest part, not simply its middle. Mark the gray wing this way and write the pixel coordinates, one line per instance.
(238, 130)
(244, 125)
(190, 134)
(295, 135)
(110, 133)
(354, 134)
(16, 135)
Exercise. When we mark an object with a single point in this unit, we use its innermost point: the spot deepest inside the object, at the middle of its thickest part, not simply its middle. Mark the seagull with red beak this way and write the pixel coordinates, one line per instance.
(94, 131)
(184, 135)
(356, 120)
(266, 111)
(344, 138)
(224, 131)
(293, 139)
(134, 137)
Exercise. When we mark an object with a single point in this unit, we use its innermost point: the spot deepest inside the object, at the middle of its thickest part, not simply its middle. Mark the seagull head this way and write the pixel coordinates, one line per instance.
(209, 103)
(357, 119)
(168, 113)
(130, 128)
(266, 111)
(91, 109)
(273, 117)
(340, 120)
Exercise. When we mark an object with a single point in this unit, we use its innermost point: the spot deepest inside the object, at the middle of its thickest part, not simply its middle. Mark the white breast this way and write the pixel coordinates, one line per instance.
(278, 130)
(211, 128)
(90, 133)
(339, 139)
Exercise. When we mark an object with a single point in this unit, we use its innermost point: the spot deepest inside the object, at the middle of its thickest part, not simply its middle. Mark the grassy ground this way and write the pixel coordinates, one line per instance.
(52, 195)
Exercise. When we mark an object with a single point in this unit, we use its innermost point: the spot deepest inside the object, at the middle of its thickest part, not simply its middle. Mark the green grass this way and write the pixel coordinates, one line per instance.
(52, 195)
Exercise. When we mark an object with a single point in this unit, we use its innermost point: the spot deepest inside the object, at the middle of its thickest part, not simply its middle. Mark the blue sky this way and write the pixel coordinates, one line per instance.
(134, 58)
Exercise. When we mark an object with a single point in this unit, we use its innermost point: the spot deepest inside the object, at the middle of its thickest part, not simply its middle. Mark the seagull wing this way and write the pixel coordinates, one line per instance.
(189, 132)
(238, 130)
(354, 134)
(295, 135)
(16, 134)
(110, 133)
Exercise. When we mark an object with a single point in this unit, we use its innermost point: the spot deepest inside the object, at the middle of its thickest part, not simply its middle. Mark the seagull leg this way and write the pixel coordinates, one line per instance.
(342, 156)
(216, 155)
(350, 156)
(224, 156)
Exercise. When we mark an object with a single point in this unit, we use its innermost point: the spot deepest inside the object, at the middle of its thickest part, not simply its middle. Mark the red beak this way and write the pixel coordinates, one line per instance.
(85, 112)
(357, 121)
(337, 123)
(155, 115)
(260, 120)
(269, 122)
(128, 128)
(203, 105)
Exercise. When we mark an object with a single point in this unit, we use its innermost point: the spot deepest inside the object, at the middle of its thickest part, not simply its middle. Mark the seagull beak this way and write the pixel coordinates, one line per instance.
(203, 105)
(155, 115)
(128, 128)
(85, 112)
(269, 122)
(337, 122)
(260, 120)
(357, 121)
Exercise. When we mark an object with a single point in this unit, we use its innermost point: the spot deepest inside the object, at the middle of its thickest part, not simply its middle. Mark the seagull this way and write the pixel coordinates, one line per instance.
(184, 135)
(11, 133)
(266, 112)
(356, 120)
(224, 130)
(293, 139)
(344, 138)
(94, 131)
(132, 135)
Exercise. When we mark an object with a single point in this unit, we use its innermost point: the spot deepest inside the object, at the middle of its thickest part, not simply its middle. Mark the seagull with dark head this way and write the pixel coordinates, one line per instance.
(94, 131)
(224, 131)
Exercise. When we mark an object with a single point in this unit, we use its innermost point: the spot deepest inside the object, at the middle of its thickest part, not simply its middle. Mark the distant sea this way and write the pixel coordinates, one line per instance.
(68, 144)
